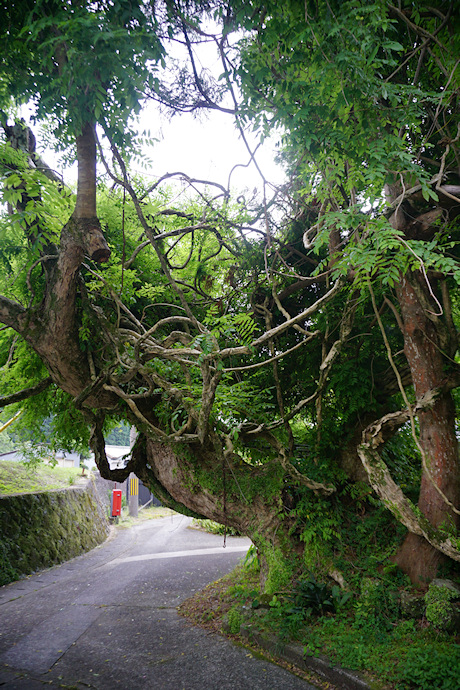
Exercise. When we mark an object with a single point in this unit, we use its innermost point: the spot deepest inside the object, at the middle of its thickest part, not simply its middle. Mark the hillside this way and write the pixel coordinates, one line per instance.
(17, 478)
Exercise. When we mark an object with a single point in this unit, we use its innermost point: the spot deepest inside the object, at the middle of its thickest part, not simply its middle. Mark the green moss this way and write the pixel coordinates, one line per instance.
(242, 480)
(281, 570)
(64, 524)
(439, 608)
(165, 497)
(279, 562)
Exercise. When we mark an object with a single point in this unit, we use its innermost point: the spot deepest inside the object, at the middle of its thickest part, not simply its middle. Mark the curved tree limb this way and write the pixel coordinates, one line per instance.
(390, 493)
(26, 392)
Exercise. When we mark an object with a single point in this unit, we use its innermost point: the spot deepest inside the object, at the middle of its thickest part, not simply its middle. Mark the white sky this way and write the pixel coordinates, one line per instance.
(204, 147)
(207, 148)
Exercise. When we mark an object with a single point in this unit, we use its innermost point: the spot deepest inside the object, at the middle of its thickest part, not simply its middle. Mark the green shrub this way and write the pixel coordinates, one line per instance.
(377, 608)
(439, 608)
(315, 597)
(234, 619)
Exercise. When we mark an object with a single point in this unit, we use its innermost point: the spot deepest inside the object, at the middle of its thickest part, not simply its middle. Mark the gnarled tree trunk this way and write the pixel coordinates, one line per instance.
(438, 440)
(197, 480)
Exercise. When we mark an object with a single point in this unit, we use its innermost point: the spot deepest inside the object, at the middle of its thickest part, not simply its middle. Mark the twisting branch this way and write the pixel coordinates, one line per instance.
(150, 233)
(186, 178)
(11, 351)
(384, 485)
(210, 383)
(133, 407)
(155, 327)
(286, 313)
(277, 330)
(326, 365)
(133, 256)
(280, 355)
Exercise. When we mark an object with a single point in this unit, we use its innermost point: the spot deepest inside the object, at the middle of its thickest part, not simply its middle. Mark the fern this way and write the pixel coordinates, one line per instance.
(239, 328)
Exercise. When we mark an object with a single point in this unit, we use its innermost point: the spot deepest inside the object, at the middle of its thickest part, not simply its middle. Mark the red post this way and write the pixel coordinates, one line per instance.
(116, 502)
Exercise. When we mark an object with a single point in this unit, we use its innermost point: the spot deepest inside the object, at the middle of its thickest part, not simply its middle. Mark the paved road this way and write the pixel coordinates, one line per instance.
(108, 619)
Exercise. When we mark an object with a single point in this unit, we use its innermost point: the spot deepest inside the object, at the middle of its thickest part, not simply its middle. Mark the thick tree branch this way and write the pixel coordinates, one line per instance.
(13, 314)
(26, 392)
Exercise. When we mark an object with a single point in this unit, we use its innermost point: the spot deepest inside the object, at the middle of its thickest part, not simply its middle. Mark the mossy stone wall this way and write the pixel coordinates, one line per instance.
(42, 529)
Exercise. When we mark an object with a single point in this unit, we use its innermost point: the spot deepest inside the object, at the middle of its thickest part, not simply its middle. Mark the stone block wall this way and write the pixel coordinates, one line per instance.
(42, 529)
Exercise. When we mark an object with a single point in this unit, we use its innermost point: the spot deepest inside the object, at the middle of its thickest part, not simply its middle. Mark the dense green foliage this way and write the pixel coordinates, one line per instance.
(366, 631)
(61, 56)
(289, 361)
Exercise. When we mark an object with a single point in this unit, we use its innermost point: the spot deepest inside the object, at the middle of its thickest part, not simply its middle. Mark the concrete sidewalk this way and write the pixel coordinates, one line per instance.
(108, 618)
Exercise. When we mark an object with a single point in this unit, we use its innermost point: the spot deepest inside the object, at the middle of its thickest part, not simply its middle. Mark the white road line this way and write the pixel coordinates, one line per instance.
(179, 554)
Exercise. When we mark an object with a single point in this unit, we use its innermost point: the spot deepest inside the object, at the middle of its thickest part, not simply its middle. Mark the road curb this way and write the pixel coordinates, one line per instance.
(296, 654)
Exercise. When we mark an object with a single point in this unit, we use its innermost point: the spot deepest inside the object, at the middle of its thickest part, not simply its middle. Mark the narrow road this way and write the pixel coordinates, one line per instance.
(108, 618)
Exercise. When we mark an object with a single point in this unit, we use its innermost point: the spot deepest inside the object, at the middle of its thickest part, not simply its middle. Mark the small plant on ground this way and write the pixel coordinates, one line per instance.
(426, 668)
(312, 597)
(215, 527)
(377, 608)
(439, 607)
(234, 619)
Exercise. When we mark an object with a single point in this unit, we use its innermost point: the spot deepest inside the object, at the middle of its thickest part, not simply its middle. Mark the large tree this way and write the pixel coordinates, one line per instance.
(369, 97)
(265, 353)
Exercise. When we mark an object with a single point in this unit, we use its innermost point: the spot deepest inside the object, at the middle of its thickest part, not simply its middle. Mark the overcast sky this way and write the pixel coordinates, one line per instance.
(205, 147)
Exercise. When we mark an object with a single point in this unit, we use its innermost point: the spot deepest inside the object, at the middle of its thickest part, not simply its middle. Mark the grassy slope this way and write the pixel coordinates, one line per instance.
(16, 478)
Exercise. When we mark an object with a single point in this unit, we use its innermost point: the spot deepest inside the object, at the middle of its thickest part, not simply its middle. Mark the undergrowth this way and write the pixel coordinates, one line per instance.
(363, 632)
(362, 626)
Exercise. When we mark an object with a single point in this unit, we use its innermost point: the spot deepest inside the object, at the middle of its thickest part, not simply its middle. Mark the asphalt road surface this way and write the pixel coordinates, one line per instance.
(108, 619)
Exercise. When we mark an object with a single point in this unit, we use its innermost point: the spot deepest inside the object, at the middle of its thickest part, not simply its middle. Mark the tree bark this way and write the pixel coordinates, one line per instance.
(52, 327)
(197, 480)
(85, 206)
(85, 213)
(438, 440)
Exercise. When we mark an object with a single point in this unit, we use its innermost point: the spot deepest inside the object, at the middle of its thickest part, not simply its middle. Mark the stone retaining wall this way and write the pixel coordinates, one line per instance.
(42, 529)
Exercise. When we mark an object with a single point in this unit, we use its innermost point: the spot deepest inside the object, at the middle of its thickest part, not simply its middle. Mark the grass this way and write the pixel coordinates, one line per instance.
(149, 513)
(401, 655)
(17, 478)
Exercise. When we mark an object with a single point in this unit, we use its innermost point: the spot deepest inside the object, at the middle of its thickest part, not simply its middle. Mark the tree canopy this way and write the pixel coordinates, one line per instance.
(286, 359)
